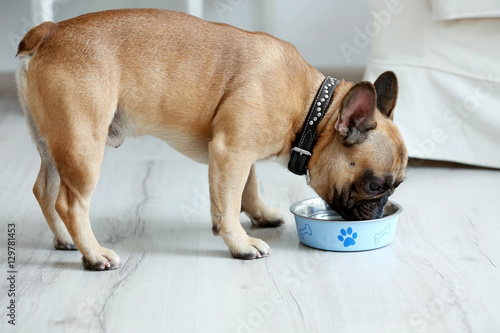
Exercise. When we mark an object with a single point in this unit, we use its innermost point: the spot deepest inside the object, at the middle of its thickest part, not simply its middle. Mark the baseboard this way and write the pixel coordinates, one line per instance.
(8, 84)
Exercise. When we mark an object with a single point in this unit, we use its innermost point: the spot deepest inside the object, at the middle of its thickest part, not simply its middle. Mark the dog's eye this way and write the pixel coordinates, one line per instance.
(374, 187)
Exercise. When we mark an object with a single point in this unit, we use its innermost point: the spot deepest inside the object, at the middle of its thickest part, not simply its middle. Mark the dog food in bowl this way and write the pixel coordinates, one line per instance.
(321, 227)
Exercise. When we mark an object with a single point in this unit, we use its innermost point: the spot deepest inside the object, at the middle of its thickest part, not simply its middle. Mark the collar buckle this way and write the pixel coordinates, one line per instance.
(301, 151)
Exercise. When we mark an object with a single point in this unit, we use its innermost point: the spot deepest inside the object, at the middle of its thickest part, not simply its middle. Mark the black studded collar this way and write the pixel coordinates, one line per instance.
(302, 149)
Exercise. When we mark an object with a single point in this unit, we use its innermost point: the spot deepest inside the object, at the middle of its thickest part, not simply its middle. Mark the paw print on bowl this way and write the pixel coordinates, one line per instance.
(348, 237)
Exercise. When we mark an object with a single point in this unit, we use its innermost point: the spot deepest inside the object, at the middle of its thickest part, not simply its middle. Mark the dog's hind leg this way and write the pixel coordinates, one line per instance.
(47, 184)
(74, 128)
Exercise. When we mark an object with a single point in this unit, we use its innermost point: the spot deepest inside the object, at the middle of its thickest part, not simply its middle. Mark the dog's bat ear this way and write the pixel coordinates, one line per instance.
(357, 113)
(387, 93)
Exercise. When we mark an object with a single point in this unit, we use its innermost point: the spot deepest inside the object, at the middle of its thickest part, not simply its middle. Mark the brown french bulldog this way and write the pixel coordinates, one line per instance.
(215, 93)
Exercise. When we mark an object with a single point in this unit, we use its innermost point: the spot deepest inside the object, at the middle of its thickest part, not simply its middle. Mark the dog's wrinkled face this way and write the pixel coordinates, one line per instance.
(357, 171)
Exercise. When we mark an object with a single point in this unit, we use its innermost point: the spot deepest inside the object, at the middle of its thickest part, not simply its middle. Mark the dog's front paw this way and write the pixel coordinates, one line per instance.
(105, 259)
(265, 217)
(248, 248)
(63, 244)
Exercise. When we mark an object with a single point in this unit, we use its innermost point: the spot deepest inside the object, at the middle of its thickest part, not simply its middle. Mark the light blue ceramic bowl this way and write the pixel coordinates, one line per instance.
(320, 227)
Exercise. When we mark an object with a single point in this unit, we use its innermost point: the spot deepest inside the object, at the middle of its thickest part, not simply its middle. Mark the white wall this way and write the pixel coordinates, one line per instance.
(77, 7)
(316, 27)
(15, 19)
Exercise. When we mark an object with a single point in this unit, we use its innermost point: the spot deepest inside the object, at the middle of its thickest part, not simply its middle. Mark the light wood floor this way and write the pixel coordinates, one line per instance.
(440, 274)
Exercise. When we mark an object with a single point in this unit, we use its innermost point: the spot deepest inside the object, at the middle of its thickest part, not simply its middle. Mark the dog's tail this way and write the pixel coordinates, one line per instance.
(36, 37)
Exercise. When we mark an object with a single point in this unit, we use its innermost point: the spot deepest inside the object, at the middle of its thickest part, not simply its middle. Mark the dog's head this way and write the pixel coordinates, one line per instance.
(360, 157)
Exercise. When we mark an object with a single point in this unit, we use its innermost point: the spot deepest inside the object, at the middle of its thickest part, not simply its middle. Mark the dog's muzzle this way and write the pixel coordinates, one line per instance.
(363, 210)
